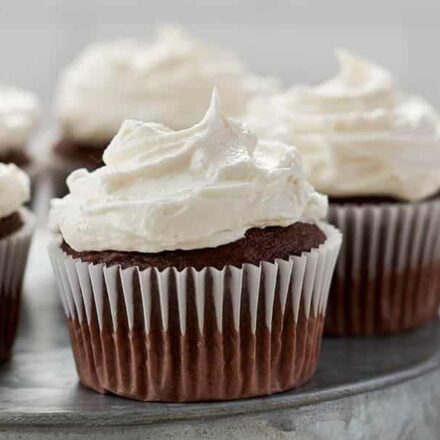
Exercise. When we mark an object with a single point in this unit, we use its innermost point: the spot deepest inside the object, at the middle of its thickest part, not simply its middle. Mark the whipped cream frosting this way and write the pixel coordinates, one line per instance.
(14, 189)
(357, 133)
(168, 80)
(19, 114)
(200, 187)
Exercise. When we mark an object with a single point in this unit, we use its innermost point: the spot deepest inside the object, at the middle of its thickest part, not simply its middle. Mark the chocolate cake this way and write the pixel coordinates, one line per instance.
(201, 364)
(16, 227)
(132, 349)
(220, 317)
(258, 245)
(388, 277)
(10, 224)
(370, 200)
(9, 304)
(81, 154)
(18, 157)
(375, 150)
(15, 237)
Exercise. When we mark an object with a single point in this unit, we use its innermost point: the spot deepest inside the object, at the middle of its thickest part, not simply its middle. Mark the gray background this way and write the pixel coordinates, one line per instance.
(292, 39)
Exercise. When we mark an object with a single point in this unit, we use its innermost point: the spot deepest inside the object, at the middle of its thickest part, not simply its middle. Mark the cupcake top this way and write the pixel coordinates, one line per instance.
(196, 188)
(150, 81)
(19, 114)
(14, 189)
(357, 133)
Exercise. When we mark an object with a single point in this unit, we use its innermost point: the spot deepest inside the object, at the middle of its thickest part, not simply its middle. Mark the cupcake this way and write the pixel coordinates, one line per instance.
(154, 81)
(376, 152)
(193, 266)
(16, 225)
(19, 115)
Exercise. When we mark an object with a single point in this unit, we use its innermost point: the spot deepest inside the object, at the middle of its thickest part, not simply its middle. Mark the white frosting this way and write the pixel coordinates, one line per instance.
(357, 134)
(14, 189)
(201, 187)
(168, 80)
(19, 114)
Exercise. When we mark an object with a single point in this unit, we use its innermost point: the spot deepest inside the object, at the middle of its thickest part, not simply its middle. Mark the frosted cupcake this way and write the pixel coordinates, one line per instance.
(192, 265)
(16, 225)
(19, 115)
(153, 81)
(376, 151)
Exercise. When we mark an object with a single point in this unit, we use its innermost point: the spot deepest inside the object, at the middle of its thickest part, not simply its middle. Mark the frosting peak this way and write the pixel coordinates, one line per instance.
(357, 78)
(14, 189)
(200, 187)
(152, 81)
(358, 133)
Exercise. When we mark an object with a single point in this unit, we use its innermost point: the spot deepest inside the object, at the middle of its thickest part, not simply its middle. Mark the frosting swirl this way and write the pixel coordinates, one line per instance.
(113, 81)
(357, 133)
(19, 114)
(200, 187)
(14, 189)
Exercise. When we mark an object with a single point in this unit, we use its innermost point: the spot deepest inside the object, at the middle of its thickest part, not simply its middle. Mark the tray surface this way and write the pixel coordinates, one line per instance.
(39, 387)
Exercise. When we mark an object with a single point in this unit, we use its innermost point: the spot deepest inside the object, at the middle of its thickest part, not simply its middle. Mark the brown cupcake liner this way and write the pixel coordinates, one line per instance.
(387, 279)
(14, 251)
(197, 335)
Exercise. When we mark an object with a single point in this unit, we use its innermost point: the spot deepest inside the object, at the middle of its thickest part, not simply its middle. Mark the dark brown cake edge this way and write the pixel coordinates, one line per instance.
(83, 154)
(376, 200)
(10, 224)
(17, 156)
(258, 245)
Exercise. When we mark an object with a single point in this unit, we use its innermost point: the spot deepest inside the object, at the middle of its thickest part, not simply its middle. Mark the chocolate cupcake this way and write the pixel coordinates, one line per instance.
(16, 226)
(112, 81)
(376, 152)
(192, 266)
(19, 115)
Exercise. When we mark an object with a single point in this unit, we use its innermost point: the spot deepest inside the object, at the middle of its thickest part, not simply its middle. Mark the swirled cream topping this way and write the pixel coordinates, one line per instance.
(357, 133)
(19, 114)
(201, 187)
(14, 189)
(168, 80)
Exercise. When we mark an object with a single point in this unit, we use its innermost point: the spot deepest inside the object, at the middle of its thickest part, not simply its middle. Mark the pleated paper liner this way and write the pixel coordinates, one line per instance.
(14, 251)
(387, 279)
(197, 335)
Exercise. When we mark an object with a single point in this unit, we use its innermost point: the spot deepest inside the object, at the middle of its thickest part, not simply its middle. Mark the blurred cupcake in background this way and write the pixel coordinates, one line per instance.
(146, 80)
(193, 265)
(16, 226)
(19, 116)
(376, 152)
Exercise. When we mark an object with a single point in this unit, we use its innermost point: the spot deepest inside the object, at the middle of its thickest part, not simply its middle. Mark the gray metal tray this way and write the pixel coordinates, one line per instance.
(387, 387)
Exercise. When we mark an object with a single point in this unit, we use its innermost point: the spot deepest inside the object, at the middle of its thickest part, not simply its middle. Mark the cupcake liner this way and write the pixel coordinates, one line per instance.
(197, 335)
(387, 279)
(14, 251)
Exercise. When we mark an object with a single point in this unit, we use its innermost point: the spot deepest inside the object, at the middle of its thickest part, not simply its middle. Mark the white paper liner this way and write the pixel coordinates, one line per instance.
(14, 251)
(388, 274)
(197, 335)
(307, 278)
